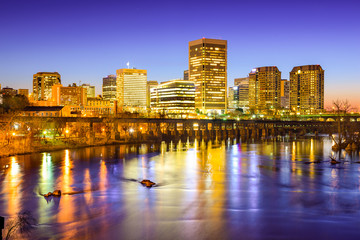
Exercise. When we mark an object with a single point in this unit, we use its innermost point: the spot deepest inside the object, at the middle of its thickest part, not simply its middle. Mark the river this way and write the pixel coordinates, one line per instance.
(259, 190)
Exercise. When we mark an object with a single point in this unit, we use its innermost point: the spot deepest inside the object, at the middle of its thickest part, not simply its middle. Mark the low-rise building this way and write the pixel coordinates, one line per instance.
(175, 97)
(42, 111)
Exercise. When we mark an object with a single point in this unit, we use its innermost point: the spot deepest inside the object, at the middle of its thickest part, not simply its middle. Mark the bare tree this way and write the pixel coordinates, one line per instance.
(341, 108)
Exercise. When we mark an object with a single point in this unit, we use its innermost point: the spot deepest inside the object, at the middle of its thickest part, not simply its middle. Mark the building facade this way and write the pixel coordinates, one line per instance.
(238, 81)
(264, 89)
(131, 85)
(186, 75)
(90, 90)
(232, 98)
(149, 86)
(208, 70)
(42, 85)
(109, 88)
(242, 85)
(307, 89)
(24, 92)
(174, 97)
(69, 96)
(285, 93)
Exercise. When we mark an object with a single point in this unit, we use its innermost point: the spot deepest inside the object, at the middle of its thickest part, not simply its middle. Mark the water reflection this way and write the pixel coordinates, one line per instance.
(205, 190)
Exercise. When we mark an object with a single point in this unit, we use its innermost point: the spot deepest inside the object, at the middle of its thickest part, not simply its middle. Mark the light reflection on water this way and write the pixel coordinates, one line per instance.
(205, 191)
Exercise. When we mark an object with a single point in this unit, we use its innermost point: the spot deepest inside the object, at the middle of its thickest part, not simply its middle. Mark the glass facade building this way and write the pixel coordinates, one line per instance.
(109, 88)
(42, 85)
(174, 97)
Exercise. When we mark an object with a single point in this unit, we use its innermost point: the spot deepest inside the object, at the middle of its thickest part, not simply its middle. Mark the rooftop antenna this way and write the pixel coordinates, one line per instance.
(128, 64)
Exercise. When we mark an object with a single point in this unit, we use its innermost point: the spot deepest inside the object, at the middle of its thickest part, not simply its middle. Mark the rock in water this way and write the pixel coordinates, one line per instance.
(147, 183)
(57, 193)
(48, 194)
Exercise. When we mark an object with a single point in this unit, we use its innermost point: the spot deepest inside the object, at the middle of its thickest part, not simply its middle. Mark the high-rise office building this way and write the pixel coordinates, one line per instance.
(90, 90)
(307, 89)
(264, 89)
(149, 86)
(109, 88)
(131, 87)
(186, 75)
(42, 85)
(285, 93)
(174, 97)
(208, 70)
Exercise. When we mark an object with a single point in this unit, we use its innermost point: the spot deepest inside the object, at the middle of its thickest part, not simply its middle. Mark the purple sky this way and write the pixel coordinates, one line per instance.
(87, 40)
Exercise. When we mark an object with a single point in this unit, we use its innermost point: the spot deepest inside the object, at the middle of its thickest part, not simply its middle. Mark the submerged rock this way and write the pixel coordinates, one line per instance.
(48, 194)
(147, 183)
(334, 161)
(56, 193)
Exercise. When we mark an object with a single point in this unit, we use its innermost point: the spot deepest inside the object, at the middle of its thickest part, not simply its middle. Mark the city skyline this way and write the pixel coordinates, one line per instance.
(87, 49)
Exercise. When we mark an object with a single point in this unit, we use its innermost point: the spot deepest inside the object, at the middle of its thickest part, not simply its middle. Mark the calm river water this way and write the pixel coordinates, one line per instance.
(225, 191)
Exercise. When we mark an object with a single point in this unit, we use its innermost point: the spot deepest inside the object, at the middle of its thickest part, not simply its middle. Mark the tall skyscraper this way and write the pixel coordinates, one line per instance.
(264, 89)
(109, 88)
(131, 87)
(307, 89)
(42, 85)
(208, 70)
(90, 90)
(285, 93)
(149, 86)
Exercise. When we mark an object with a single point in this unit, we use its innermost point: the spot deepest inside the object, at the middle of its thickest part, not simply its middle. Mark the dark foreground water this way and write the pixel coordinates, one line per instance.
(242, 191)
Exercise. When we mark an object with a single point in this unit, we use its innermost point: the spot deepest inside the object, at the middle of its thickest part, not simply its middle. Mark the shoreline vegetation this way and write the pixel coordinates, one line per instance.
(50, 147)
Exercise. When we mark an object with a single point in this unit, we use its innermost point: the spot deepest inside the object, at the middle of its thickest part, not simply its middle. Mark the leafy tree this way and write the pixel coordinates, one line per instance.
(13, 103)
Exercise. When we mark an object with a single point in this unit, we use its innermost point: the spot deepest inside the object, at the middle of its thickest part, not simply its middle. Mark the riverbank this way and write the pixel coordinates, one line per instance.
(12, 151)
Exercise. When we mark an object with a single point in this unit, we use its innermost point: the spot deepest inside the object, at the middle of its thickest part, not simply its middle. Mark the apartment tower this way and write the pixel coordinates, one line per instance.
(264, 89)
(307, 89)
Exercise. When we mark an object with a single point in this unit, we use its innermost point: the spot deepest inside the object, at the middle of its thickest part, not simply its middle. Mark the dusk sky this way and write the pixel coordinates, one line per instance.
(87, 40)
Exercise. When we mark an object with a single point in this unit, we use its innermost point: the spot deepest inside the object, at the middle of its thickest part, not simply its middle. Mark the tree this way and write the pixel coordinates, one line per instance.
(239, 110)
(14, 103)
(341, 107)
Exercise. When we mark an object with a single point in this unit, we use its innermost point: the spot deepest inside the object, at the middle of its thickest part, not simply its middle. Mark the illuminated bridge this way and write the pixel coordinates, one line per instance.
(143, 129)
